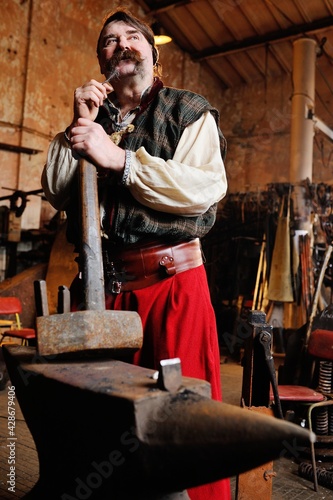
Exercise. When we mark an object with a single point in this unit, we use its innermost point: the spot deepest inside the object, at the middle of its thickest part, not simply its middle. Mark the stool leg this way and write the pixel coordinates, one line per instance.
(313, 452)
(312, 446)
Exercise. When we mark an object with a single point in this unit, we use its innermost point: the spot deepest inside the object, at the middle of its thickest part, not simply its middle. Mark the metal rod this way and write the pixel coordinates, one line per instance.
(19, 149)
(41, 302)
(64, 301)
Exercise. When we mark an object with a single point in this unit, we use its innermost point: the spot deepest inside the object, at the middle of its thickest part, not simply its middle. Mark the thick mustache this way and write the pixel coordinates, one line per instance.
(126, 54)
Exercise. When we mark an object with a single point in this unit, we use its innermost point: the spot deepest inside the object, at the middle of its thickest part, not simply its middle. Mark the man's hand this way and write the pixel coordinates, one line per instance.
(89, 139)
(88, 98)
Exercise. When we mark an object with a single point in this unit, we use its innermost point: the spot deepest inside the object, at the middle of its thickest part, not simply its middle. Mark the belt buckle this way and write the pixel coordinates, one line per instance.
(169, 264)
(114, 283)
(114, 286)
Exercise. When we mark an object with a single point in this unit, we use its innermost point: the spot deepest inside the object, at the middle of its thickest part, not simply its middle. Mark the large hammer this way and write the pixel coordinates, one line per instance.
(93, 327)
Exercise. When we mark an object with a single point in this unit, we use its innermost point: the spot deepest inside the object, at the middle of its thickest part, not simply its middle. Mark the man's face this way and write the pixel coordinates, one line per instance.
(124, 51)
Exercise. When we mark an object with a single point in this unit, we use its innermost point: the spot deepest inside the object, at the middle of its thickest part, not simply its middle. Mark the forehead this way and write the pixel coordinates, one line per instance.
(119, 28)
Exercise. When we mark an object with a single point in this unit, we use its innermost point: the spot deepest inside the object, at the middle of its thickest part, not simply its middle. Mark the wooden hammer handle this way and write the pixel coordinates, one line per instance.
(91, 251)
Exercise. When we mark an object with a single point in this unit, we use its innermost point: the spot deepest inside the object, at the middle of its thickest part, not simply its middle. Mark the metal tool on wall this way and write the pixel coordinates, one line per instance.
(260, 289)
(280, 283)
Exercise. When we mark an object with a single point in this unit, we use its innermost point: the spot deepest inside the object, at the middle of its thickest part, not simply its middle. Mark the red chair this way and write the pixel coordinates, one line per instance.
(320, 348)
(12, 308)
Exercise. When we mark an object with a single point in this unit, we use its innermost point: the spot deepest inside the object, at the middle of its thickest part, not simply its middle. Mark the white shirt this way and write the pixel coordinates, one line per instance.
(187, 185)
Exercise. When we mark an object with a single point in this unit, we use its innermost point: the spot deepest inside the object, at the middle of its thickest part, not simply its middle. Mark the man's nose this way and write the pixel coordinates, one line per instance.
(123, 43)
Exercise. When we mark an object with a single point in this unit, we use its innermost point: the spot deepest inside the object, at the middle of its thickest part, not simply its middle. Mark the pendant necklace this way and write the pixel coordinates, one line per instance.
(117, 136)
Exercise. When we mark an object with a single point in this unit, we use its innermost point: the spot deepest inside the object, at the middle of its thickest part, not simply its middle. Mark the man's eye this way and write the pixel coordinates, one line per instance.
(109, 41)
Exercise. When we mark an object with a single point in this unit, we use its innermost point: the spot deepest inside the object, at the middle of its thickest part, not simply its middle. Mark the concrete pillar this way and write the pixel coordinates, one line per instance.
(302, 128)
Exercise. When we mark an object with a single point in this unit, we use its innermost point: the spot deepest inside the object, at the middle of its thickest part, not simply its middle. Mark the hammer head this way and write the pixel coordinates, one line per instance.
(89, 330)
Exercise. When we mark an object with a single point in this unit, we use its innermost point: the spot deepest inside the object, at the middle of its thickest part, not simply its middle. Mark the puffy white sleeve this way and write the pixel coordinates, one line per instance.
(189, 183)
(58, 172)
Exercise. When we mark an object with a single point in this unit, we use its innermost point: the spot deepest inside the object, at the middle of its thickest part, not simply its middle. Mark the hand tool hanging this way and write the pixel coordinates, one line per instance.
(265, 339)
(306, 270)
(280, 283)
(256, 304)
(317, 293)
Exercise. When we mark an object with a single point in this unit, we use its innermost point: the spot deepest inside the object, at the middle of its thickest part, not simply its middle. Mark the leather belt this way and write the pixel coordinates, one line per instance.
(142, 266)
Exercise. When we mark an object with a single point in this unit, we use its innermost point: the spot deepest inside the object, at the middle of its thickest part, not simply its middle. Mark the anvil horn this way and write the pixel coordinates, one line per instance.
(207, 440)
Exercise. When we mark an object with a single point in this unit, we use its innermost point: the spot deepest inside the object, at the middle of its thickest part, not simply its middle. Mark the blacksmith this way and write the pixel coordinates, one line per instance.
(159, 156)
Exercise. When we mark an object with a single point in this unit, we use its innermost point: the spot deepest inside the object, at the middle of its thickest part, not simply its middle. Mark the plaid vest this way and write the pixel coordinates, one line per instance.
(164, 115)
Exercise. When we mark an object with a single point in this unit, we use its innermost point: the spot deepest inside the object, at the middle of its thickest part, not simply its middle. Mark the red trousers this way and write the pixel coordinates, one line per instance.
(179, 321)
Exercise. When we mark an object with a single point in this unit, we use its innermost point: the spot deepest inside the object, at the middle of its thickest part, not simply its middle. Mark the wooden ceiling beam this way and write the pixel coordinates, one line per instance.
(259, 40)
(163, 6)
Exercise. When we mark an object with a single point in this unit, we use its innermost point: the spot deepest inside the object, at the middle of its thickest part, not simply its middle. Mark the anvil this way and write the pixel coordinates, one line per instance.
(107, 429)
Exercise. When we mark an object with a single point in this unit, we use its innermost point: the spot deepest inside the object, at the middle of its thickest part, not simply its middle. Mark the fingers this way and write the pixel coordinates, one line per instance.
(92, 92)
(108, 87)
(89, 97)
(89, 140)
(86, 136)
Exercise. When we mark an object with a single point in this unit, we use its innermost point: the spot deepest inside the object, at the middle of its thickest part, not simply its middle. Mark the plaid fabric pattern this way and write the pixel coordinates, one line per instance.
(159, 124)
(164, 114)
(133, 222)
